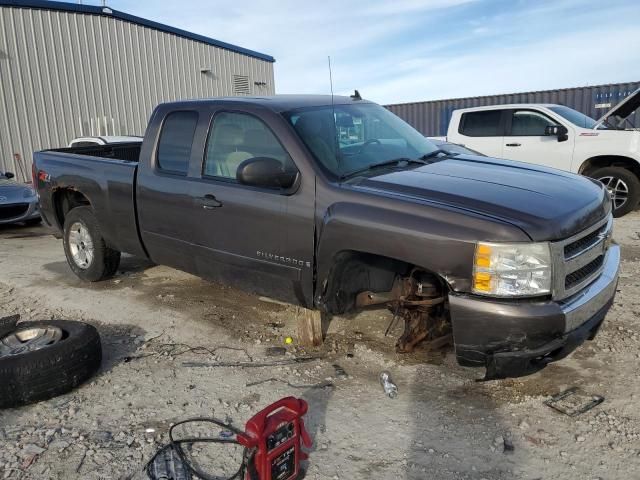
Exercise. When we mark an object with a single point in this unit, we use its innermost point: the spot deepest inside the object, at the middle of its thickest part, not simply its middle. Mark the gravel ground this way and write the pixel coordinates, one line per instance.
(443, 424)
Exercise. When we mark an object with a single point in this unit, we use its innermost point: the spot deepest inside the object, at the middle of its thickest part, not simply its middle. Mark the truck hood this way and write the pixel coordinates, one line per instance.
(547, 204)
(623, 109)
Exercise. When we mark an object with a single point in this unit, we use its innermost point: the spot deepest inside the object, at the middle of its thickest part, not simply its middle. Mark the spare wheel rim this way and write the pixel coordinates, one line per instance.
(29, 340)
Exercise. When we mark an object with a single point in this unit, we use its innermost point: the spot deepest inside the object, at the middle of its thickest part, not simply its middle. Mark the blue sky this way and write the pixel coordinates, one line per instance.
(410, 50)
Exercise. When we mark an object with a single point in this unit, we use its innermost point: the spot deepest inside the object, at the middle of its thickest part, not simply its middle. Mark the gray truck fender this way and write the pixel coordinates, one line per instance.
(427, 243)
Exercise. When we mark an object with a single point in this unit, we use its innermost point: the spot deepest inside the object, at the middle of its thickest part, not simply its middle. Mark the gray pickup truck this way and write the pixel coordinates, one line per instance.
(338, 205)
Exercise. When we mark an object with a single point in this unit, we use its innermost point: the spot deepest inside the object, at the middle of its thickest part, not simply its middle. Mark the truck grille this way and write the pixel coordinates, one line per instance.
(578, 260)
(577, 277)
(13, 210)
(584, 243)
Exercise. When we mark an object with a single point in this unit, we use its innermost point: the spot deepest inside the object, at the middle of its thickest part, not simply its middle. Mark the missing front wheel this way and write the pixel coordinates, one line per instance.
(419, 301)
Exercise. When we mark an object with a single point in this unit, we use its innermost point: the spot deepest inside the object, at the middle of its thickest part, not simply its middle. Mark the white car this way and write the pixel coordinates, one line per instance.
(560, 137)
(103, 140)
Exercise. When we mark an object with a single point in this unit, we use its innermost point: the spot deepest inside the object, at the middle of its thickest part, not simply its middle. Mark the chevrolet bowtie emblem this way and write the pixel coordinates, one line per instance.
(606, 238)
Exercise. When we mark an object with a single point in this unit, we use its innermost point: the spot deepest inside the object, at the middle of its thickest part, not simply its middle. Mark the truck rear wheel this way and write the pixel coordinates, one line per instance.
(623, 186)
(87, 253)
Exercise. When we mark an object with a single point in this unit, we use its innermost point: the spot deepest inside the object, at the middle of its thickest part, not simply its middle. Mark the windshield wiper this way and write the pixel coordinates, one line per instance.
(398, 162)
(435, 153)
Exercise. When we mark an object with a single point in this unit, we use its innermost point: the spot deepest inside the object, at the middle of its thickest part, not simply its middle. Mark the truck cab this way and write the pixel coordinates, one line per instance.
(559, 137)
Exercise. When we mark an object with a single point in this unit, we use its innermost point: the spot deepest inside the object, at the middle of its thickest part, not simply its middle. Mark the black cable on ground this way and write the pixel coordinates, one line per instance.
(172, 347)
(247, 464)
(325, 384)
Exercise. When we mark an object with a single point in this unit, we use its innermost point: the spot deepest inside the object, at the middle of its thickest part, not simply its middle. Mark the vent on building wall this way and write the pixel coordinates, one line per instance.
(241, 85)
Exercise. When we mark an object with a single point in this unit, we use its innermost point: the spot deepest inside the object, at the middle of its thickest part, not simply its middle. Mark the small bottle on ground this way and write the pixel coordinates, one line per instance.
(390, 388)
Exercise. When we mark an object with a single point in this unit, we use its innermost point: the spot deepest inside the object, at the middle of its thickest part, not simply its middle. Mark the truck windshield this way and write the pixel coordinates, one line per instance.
(575, 117)
(351, 138)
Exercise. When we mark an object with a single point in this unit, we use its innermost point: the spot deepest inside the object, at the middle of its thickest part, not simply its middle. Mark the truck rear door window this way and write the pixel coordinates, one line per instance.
(236, 137)
(482, 124)
(176, 140)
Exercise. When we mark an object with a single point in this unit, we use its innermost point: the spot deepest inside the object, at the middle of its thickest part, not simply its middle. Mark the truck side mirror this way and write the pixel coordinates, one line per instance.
(265, 172)
(559, 131)
(9, 175)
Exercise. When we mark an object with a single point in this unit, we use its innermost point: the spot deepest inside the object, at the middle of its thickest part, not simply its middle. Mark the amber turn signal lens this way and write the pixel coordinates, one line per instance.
(482, 281)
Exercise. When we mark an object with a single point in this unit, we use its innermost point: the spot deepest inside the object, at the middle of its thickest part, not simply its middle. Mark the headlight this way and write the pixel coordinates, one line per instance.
(512, 269)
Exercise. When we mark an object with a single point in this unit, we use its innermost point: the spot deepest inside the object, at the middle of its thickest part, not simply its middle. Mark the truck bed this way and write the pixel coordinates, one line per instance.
(129, 152)
(105, 175)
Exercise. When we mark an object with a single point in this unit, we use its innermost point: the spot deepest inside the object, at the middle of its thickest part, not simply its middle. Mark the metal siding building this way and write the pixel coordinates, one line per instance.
(432, 118)
(69, 70)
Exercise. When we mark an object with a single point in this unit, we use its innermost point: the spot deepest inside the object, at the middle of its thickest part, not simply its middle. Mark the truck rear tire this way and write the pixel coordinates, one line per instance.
(623, 185)
(87, 253)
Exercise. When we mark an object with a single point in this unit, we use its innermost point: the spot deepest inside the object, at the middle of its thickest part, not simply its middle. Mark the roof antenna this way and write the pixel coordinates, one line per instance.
(356, 95)
(333, 116)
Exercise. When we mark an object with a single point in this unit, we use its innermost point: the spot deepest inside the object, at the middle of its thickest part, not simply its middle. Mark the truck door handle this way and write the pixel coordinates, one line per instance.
(513, 144)
(210, 202)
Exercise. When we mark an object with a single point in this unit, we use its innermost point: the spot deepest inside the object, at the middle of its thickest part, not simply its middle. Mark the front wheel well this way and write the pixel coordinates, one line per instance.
(354, 272)
(66, 199)
(594, 163)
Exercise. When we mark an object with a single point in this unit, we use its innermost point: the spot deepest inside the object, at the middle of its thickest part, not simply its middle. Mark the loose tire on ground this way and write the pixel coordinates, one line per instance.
(104, 260)
(51, 370)
(611, 176)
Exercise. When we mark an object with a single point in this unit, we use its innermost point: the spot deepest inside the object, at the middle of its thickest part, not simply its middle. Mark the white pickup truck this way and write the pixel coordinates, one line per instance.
(560, 137)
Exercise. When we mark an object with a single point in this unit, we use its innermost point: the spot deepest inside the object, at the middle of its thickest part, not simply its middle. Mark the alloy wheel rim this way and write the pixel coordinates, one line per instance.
(29, 340)
(618, 190)
(81, 245)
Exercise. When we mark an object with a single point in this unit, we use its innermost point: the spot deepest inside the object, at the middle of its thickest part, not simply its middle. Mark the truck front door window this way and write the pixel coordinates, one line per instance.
(236, 137)
(176, 139)
(528, 123)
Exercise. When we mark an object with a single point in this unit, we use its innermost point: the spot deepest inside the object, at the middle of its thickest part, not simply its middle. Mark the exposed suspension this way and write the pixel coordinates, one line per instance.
(418, 299)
